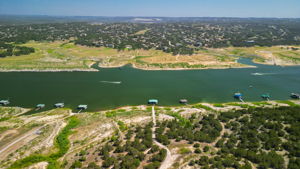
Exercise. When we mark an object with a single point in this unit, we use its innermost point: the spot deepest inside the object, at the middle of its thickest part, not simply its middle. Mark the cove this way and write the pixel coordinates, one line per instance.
(114, 87)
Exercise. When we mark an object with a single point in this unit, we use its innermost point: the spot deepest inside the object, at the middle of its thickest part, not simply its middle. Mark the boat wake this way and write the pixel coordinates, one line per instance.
(111, 82)
(262, 74)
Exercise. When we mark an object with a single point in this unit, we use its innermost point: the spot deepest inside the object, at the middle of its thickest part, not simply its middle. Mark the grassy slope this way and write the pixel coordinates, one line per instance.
(67, 56)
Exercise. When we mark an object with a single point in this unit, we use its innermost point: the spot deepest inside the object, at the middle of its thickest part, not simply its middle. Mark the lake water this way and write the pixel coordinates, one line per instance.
(113, 87)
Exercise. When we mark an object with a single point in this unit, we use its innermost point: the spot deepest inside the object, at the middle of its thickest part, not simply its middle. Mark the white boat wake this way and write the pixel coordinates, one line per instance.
(111, 82)
(262, 74)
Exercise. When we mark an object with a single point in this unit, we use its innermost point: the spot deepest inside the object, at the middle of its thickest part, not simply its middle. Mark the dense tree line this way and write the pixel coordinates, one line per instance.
(127, 153)
(262, 137)
(171, 37)
(204, 130)
(257, 136)
(14, 50)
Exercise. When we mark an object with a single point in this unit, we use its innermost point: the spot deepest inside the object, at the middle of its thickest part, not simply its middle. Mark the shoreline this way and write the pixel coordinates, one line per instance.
(213, 106)
(174, 69)
(52, 70)
(119, 66)
(141, 68)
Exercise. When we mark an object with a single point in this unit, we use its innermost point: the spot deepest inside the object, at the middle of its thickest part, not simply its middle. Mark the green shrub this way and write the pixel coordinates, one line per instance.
(184, 151)
(61, 142)
(202, 107)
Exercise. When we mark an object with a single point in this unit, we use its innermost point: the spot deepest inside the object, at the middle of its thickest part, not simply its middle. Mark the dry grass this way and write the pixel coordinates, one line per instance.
(142, 32)
(279, 55)
(62, 55)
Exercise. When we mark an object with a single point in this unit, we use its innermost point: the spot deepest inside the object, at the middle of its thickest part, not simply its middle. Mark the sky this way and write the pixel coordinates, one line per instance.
(167, 8)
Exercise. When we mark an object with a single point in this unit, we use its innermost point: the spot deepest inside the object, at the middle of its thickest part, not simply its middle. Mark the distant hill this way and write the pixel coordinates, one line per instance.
(40, 19)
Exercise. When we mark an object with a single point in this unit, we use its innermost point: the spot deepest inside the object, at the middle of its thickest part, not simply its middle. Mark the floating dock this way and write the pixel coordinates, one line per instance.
(40, 106)
(266, 96)
(183, 101)
(238, 96)
(153, 101)
(4, 102)
(295, 95)
(59, 105)
(82, 107)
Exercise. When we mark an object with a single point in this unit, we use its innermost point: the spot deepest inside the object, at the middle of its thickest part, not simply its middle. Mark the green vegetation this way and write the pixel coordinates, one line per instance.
(245, 106)
(202, 107)
(65, 55)
(122, 126)
(205, 130)
(128, 153)
(261, 134)
(123, 112)
(218, 105)
(184, 150)
(290, 103)
(14, 50)
(61, 142)
(182, 121)
(261, 103)
(61, 46)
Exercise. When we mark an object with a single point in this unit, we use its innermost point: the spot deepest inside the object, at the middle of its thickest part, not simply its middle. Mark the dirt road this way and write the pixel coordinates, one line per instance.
(19, 142)
(169, 160)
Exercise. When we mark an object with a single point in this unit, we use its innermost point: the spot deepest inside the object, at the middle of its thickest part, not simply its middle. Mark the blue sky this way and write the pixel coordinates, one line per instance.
(182, 8)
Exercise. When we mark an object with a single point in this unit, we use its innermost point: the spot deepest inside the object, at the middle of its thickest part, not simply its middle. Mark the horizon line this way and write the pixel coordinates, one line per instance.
(131, 16)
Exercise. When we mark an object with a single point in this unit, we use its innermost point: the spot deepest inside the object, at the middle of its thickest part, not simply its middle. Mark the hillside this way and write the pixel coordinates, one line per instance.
(232, 135)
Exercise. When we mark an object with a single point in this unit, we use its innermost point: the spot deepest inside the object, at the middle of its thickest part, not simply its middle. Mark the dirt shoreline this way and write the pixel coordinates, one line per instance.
(52, 70)
(143, 68)
(119, 66)
(157, 68)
